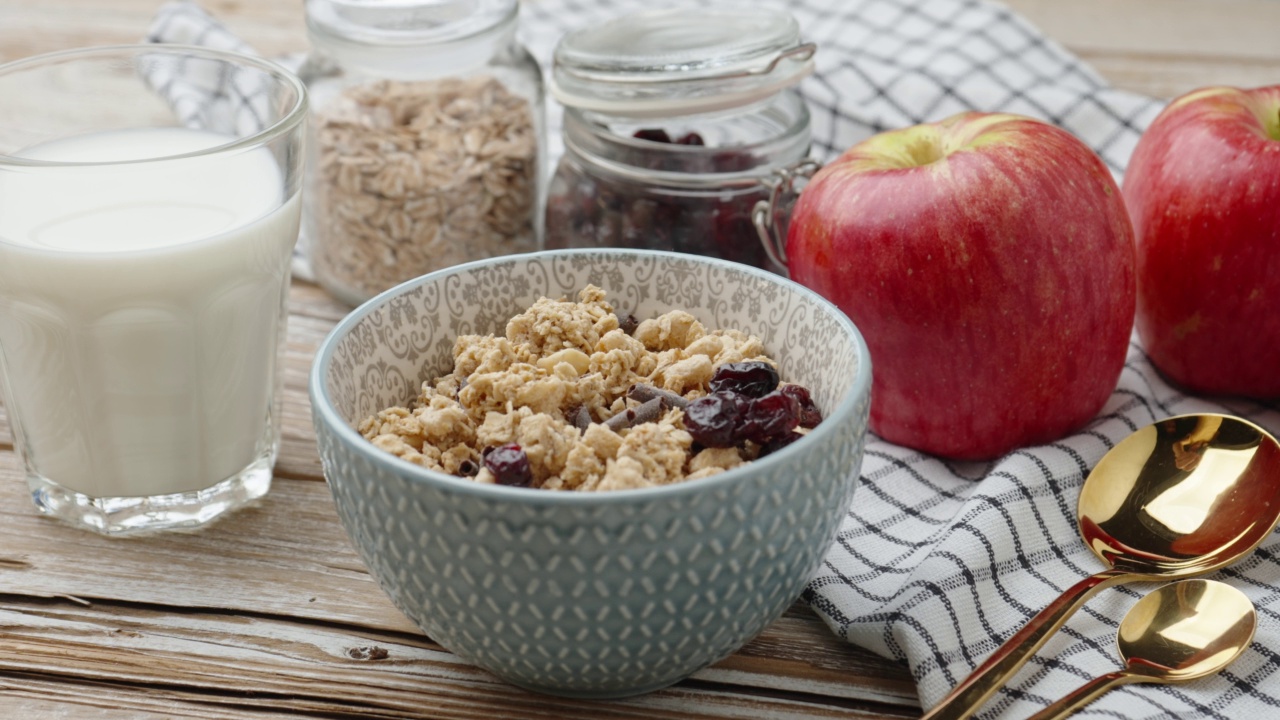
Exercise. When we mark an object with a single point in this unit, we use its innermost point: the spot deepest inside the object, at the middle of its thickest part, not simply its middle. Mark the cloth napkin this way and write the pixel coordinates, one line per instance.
(938, 562)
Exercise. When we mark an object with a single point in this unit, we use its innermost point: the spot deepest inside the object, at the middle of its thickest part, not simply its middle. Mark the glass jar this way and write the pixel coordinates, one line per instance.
(427, 140)
(678, 123)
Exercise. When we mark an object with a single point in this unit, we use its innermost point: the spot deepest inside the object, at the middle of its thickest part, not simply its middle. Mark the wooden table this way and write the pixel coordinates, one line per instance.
(270, 613)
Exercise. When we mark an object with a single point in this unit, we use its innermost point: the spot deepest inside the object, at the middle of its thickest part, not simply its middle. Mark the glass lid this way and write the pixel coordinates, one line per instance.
(382, 22)
(680, 61)
(411, 39)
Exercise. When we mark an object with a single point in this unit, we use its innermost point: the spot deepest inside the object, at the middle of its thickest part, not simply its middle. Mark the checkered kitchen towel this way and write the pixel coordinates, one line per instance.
(938, 562)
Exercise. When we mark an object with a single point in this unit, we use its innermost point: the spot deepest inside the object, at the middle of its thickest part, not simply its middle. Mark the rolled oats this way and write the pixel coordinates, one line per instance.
(415, 176)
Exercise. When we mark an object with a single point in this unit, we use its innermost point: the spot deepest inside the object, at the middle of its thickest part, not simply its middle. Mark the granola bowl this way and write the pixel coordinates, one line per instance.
(590, 594)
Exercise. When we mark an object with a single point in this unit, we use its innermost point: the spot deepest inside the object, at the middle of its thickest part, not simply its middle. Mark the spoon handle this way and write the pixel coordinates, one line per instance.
(1086, 694)
(970, 694)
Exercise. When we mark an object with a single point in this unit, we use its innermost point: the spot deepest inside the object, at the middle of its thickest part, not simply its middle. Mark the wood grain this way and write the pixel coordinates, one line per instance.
(1221, 29)
(1165, 48)
(272, 604)
(270, 613)
(282, 664)
(1159, 47)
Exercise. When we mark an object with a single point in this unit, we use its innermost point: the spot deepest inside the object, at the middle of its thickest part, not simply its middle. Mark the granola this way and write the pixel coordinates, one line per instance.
(577, 403)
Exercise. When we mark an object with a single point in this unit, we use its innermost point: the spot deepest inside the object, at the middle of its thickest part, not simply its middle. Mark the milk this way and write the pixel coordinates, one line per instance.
(141, 310)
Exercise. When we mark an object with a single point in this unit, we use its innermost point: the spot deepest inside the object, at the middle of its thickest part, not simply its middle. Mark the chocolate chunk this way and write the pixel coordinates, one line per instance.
(645, 393)
(629, 324)
(581, 418)
(639, 415)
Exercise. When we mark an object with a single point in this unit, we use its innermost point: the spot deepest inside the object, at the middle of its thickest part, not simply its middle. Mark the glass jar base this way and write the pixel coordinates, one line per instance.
(120, 516)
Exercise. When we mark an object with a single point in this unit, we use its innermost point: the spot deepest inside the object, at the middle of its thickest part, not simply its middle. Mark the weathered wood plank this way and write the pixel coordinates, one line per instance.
(33, 697)
(1169, 77)
(288, 560)
(287, 556)
(1207, 30)
(1165, 48)
(1159, 47)
(273, 27)
(308, 325)
(304, 667)
(257, 616)
(27, 697)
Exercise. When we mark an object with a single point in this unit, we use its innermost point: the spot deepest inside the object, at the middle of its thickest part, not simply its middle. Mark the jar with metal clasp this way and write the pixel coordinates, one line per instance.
(678, 123)
(426, 145)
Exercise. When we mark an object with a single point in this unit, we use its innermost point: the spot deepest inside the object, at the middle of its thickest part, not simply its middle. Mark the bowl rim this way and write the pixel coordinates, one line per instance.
(323, 408)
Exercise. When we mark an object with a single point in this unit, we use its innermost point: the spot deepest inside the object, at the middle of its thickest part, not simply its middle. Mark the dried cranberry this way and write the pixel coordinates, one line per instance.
(638, 223)
(778, 443)
(509, 465)
(752, 378)
(692, 138)
(586, 210)
(669, 221)
(652, 135)
(714, 420)
(770, 417)
(810, 415)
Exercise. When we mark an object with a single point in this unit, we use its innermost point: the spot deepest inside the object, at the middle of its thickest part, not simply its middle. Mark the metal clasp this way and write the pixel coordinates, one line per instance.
(765, 215)
(801, 53)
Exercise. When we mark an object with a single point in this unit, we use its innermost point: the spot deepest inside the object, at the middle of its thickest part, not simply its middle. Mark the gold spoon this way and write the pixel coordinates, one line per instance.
(1183, 631)
(1179, 498)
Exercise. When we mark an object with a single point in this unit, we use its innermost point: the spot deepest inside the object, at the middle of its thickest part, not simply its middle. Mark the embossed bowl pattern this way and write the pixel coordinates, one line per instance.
(590, 594)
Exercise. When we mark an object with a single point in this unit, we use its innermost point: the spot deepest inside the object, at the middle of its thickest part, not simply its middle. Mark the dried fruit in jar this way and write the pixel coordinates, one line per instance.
(591, 210)
(661, 136)
(652, 135)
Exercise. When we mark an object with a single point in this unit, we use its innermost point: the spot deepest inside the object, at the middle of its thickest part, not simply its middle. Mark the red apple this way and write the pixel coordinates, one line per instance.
(1203, 189)
(988, 261)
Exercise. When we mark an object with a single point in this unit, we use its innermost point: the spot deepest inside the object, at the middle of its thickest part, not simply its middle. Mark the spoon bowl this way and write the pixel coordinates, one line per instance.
(1183, 631)
(1179, 498)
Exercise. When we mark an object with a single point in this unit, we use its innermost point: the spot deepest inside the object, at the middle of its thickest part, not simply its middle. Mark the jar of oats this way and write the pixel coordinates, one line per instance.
(426, 140)
(683, 130)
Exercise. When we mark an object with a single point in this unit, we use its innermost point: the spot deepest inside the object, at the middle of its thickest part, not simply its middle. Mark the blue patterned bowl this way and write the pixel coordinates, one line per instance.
(603, 594)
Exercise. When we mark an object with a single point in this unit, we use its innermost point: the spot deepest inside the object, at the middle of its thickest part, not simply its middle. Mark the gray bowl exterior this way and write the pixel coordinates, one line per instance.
(593, 594)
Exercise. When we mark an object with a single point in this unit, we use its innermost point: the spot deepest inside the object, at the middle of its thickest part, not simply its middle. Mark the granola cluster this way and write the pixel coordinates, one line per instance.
(591, 405)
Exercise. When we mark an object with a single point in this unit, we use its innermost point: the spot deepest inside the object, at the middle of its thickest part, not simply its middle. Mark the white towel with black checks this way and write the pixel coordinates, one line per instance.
(938, 562)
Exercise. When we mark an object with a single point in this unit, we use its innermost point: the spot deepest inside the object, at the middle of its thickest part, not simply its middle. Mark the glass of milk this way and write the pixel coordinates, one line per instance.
(148, 212)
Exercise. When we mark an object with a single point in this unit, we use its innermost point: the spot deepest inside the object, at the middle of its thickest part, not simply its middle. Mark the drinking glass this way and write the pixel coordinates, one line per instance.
(149, 205)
